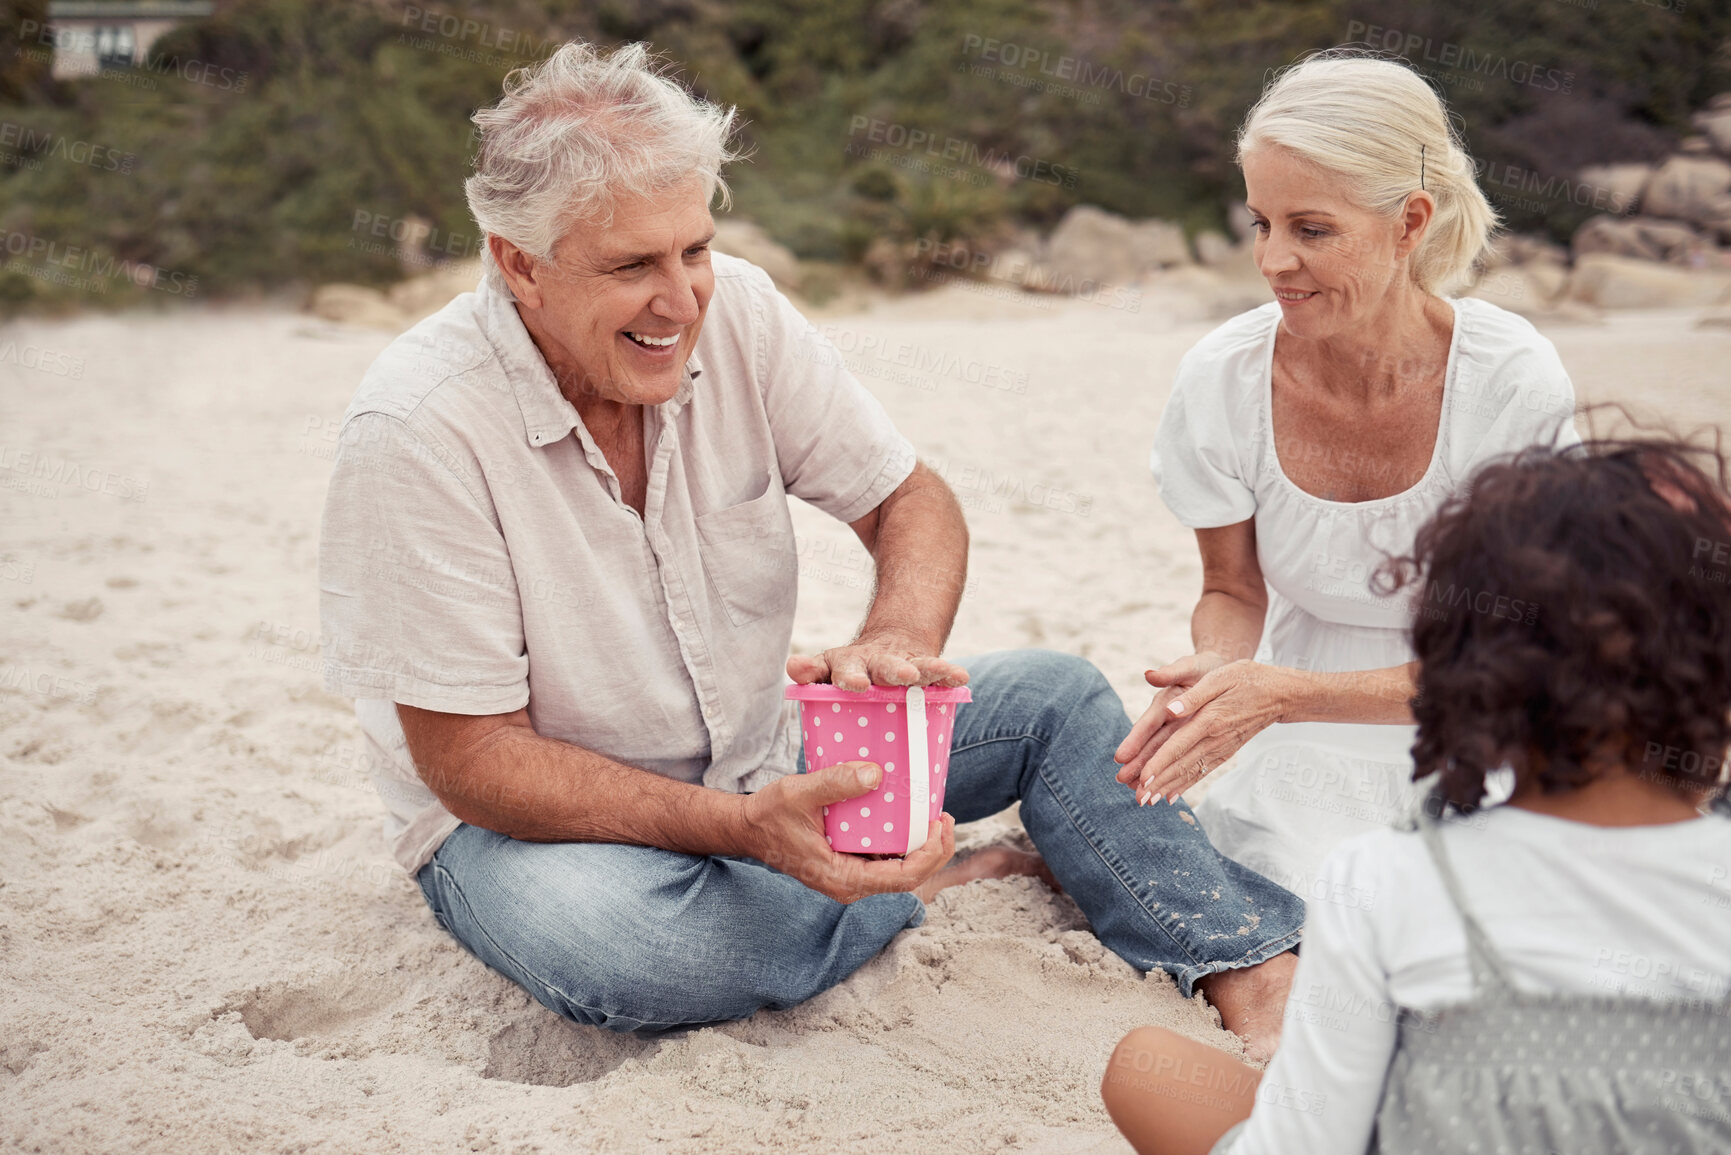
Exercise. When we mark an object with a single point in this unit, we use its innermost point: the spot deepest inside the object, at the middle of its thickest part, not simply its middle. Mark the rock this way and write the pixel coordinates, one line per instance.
(1622, 183)
(423, 296)
(1524, 249)
(1693, 189)
(887, 263)
(1159, 244)
(1719, 318)
(1524, 289)
(402, 304)
(1093, 245)
(1695, 146)
(1548, 278)
(1213, 248)
(1614, 282)
(355, 305)
(1714, 121)
(411, 235)
(1234, 260)
(738, 237)
(1197, 293)
(1021, 267)
(1571, 312)
(1242, 224)
(1647, 238)
(1523, 274)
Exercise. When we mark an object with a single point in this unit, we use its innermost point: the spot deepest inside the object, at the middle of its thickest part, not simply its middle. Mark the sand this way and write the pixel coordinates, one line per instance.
(204, 943)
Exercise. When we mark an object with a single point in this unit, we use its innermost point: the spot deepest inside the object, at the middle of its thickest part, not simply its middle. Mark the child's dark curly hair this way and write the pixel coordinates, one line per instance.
(1574, 614)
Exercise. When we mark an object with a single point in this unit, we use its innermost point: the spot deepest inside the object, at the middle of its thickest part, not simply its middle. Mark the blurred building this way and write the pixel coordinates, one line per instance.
(91, 36)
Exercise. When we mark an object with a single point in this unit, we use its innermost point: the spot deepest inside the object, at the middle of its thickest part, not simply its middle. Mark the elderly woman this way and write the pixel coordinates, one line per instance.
(1308, 439)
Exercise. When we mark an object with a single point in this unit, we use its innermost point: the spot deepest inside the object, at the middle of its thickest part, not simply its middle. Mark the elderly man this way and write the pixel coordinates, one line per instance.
(558, 573)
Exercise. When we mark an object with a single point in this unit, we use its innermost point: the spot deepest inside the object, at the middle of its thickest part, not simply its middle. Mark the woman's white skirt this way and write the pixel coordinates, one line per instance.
(1296, 790)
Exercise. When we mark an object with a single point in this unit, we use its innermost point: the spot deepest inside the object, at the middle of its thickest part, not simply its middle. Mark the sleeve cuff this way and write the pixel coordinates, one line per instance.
(354, 682)
(1212, 518)
(898, 466)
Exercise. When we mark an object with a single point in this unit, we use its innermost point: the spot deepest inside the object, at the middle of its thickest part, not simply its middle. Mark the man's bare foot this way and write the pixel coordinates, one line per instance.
(1252, 1001)
(990, 862)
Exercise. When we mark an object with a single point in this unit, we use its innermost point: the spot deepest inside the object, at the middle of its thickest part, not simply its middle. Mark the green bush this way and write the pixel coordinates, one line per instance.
(255, 140)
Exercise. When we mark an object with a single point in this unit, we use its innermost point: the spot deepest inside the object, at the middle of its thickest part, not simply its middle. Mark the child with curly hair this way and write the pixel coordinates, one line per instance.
(1549, 972)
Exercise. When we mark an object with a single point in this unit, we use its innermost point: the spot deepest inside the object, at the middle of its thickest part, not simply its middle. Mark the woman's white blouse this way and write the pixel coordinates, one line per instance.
(1296, 790)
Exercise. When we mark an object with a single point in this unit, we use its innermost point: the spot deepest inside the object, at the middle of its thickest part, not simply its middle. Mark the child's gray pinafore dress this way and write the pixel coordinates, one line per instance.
(1516, 1073)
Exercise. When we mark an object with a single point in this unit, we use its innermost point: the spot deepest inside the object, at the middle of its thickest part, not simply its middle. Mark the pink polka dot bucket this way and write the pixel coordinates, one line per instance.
(882, 725)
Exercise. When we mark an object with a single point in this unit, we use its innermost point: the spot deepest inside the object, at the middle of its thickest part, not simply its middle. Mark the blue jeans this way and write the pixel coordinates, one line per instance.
(634, 938)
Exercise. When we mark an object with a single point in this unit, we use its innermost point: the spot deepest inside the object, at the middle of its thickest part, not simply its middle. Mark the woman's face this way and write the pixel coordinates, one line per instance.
(1331, 262)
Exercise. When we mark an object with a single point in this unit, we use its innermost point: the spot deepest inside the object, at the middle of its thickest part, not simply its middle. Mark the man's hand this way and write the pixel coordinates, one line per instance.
(881, 660)
(784, 829)
(918, 540)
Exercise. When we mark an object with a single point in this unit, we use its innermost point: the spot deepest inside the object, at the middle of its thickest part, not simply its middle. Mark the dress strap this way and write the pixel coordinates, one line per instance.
(1487, 966)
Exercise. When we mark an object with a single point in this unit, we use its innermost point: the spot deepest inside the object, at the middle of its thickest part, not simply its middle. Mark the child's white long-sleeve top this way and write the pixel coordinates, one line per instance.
(1643, 911)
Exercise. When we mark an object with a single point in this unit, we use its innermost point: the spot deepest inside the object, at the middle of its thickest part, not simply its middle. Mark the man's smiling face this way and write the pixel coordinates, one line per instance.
(618, 312)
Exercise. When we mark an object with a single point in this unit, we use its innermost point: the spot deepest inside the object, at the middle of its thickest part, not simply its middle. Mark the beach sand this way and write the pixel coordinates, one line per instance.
(205, 945)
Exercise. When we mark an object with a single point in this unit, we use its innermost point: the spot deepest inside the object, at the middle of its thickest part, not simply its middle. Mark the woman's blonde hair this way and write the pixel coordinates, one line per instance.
(1378, 123)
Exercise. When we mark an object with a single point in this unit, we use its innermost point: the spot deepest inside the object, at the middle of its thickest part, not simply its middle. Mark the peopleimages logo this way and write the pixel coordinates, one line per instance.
(34, 143)
(422, 241)
(40, 473)
(473, 39)
(956, 150)
(42, 360)
(1076, 70)
(83, 40)
(1459, 58)
(94, 264)
(1497, 176)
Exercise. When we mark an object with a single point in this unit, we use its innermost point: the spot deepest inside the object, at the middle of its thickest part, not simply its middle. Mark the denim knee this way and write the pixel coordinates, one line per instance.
(655, 957)
(1079, 678)
(748, 969)
(1058, 683)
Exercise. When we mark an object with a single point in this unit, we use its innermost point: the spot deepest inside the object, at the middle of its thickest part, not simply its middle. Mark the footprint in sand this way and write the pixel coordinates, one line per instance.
(64, 820)
(547, 1051)
(87, 610)
(287, 1011)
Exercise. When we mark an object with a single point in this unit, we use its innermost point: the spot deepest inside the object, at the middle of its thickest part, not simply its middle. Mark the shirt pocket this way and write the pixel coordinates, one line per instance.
(750, 554)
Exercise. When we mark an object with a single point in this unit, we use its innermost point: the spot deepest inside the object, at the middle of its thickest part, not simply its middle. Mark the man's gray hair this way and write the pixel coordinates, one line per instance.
(579, 130)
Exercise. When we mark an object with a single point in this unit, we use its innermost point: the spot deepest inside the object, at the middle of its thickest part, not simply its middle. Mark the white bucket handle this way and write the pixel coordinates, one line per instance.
(919, 770)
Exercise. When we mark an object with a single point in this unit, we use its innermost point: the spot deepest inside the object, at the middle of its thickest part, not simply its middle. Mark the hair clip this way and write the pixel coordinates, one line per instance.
(1421, 167)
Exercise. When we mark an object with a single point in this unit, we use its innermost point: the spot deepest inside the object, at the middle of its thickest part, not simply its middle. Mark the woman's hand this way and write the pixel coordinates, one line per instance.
(1208, 709)
(1157, 723)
